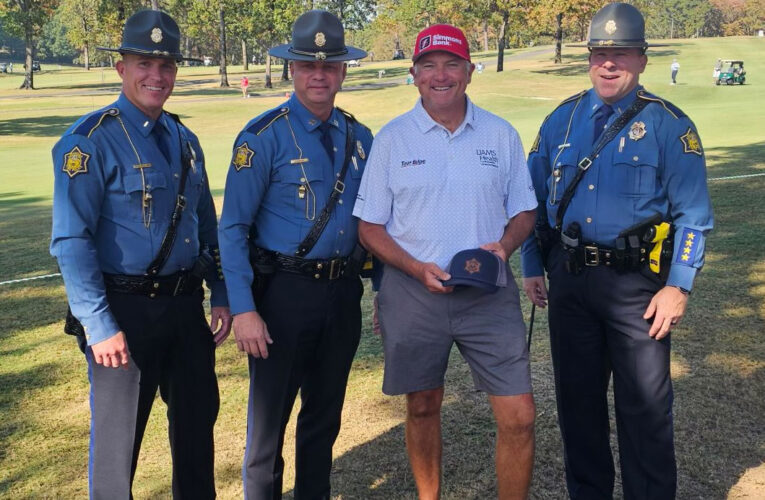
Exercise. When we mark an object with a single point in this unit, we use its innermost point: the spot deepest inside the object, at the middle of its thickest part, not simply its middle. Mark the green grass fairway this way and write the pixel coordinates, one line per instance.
(718, 361)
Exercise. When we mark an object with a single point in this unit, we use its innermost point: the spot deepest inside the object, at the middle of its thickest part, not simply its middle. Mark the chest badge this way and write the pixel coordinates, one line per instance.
(360, 150)
(637, 131)
(242, 157)
(691, 142)
(472, 266)
(75, 162)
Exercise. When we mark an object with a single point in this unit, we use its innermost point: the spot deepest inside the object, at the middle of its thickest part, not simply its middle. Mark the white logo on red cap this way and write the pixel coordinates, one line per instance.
(425, 42)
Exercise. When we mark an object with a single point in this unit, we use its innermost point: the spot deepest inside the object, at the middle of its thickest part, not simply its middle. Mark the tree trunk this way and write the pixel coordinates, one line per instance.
(86, 54)
(485, 35)
(154, 4)
(501, 42)
(187, 44)
(222, 23)
(245, 59)
(268, 83)
(558, 37)
(29, 80)
(285, 71)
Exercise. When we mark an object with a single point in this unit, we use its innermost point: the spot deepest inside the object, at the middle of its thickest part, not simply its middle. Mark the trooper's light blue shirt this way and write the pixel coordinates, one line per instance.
(279, 180)
(654, 165)
(99, 219)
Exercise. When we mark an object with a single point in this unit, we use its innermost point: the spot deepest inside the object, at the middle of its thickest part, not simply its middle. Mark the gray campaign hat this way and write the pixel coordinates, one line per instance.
(317, 35)
(477, 267)
(617, 25)
(151, 33)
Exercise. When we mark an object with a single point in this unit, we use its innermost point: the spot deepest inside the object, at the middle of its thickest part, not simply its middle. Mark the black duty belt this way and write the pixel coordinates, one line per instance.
(319, 269)
(181, 283)
(592, 255)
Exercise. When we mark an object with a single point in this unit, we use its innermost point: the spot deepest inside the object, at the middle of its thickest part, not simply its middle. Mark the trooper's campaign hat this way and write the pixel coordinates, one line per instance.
(477, 267)
(317, 35)
(617, 25)
(151, 33)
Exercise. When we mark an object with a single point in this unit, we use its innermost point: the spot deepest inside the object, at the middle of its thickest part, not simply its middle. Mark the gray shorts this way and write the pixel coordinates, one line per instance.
(419, 328)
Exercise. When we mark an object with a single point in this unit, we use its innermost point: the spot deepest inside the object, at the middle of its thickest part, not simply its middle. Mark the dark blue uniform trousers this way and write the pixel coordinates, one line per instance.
(596, 330)
(171, 347)
(315, 326)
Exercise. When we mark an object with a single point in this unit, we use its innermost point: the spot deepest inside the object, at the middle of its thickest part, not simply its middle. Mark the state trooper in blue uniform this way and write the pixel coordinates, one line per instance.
(135, 233)
(616, 286)
(297, 313)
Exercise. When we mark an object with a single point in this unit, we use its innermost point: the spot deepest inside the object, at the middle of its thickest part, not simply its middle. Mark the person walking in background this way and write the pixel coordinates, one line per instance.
(244, 83)
(615, 171)
(674, 68)
(462, 171)
(135, 234)
(291, 258)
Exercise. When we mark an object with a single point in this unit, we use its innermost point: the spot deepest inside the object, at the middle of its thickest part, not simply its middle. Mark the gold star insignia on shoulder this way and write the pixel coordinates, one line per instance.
(360, 150)
(472, 266)
(76, 162)
(535, 146)
(691, 142)
(637, 131)
(242, 157)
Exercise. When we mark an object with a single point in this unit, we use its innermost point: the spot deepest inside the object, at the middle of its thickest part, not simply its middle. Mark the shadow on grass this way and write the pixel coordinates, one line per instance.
(40, 126)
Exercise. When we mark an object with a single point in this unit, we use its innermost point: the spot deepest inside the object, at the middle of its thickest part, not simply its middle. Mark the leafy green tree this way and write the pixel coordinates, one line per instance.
(26, 19)
(81, 19)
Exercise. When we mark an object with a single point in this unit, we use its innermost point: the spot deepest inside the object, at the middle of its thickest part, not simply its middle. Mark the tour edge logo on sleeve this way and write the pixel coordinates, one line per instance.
(412, 163)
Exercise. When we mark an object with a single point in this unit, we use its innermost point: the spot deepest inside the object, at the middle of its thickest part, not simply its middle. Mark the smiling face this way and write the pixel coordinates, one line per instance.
(614, 72)
(441, 78)
(316, 84)
(147, 82)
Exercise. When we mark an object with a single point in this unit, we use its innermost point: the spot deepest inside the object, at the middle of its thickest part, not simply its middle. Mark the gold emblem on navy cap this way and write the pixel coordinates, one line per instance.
(472, 266)
(610, 27)
(691, 142)
(243, 157)
(156, 35)
(637, 131)
(76, 162)
(360, 150)
(320, 39)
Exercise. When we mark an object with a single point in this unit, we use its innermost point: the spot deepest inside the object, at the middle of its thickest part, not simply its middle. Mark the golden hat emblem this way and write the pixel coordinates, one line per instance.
(156, 35)
(320, 39)
(610, 27)
(473, 266)
(637, 131)
(360, 149)
(75, 162)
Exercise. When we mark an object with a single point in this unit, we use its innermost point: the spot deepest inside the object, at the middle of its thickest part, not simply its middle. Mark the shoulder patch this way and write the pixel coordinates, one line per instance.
(93, 121)
(242, 157)
(668, 106)
(535, 146)
(75, 162)
(267, 120)
(691, 142)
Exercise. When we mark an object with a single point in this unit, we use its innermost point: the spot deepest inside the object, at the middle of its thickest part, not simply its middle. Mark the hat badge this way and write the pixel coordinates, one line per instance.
(472, 266)
(156, 35)
(320, 39)
(610, 27)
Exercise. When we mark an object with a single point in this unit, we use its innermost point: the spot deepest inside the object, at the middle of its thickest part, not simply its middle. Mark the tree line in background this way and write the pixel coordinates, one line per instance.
(239, 32)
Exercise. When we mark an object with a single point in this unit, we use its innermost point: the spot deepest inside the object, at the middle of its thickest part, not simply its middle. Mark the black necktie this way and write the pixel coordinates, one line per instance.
(601, 118)
(163, 141)
(326, 140)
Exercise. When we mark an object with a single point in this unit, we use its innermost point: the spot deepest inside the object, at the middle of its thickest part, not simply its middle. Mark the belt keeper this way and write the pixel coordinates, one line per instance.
(339, 186)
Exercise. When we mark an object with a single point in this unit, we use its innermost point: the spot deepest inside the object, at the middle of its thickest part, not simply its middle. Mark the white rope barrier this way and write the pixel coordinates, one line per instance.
(22, 280)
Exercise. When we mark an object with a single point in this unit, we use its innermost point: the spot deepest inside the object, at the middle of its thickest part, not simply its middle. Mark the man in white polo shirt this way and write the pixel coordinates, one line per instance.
(445, 177)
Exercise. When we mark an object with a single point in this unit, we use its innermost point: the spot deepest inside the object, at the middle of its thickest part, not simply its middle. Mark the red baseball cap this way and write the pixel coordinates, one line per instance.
(444, 37)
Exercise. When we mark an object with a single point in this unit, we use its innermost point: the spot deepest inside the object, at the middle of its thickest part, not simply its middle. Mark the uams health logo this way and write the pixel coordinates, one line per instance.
(487, 157)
